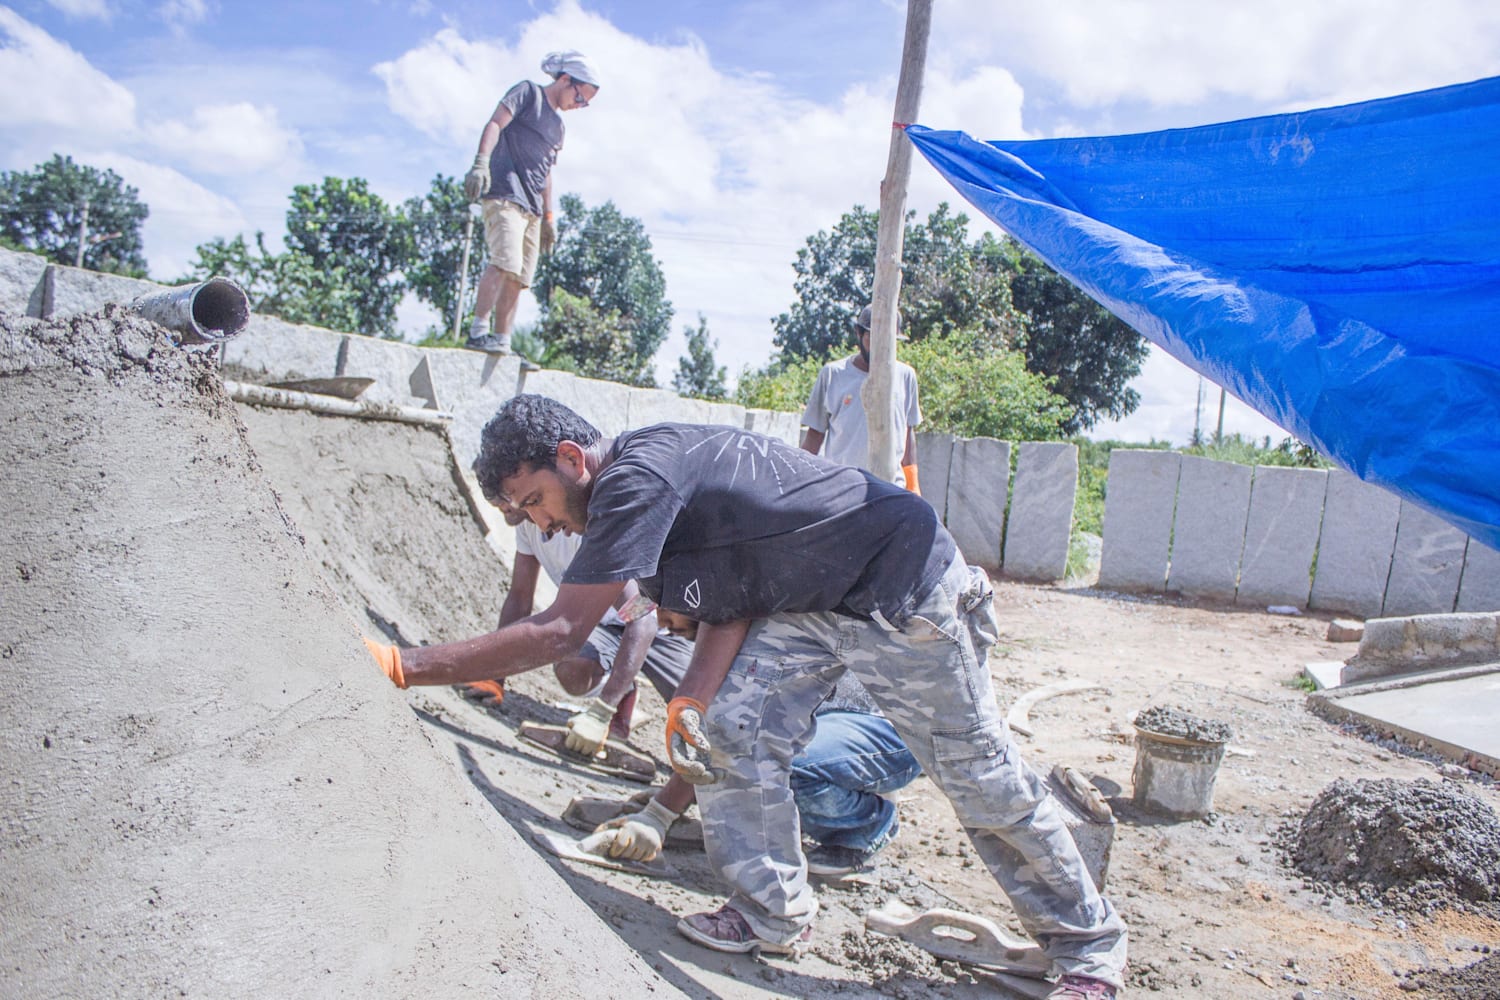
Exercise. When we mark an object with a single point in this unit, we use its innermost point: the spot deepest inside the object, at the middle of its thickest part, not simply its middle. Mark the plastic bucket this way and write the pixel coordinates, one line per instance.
(1174, 776)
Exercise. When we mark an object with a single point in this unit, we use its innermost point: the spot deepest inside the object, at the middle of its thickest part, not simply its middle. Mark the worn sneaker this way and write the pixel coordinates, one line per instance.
(619, 726)
(1081, 988)
(726, 930)
(489, 344)
(830, 860)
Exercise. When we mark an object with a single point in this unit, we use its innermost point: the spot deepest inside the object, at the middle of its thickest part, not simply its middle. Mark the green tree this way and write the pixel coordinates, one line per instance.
(781, 385)
(973, 389)
(286, 285)
(40, 211)
(343, 229)
(947, 284)
(1090, 353)
(698, 372)
(589, 341)
(435, 224)
(605, 257)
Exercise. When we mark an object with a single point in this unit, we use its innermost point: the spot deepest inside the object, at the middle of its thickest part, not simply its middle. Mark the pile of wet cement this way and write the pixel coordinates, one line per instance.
(1410, 845)
(1184, 725)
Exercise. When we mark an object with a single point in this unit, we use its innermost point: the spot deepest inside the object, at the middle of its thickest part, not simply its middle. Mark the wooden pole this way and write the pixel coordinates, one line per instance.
(877, 393)
(463, 273)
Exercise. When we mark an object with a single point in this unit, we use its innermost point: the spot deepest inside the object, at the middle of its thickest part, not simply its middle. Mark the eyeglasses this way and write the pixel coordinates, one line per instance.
(579, 101)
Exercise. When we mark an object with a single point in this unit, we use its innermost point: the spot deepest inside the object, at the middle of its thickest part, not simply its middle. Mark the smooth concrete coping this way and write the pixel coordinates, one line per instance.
(1138, 506)
(1208, 533)
(978, 485)
(1354, 549)
(1401, 645)
(1426, 565)
(934, 464)
(1041, 510)
(1281, 536)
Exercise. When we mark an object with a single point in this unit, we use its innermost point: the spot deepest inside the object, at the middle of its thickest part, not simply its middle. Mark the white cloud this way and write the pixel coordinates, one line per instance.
(82, 9)
(1171, 407)
(44, 82)
(180, 14)
(183, 212)
(228, 139)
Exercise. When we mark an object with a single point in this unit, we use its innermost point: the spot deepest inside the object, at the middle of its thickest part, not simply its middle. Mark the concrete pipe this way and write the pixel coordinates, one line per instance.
(206, 313)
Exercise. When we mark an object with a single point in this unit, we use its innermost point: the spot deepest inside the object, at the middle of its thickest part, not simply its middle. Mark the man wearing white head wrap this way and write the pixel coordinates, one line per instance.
(512, 180)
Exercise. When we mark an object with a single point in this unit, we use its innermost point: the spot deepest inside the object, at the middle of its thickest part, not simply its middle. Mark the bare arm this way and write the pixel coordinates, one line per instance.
(676, 794)
(909, 456)
(634, 645)
(493, 128)
(522, 596)
(812, 441)
(525, 645)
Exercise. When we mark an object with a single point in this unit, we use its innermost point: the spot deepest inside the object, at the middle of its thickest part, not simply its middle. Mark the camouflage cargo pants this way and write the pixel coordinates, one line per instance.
(929, 677)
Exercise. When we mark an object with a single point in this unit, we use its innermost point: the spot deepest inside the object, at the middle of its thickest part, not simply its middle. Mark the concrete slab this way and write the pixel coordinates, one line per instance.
(774, 423)
(272, 349)
(1453, 716)
(390, 363)
(1041, 510)
(472, 385)
(1479, 590)
(1425, 566)
(645, 407)
(934, 463)
(68, 291)
(1208, 532)
(21, 277)
(1281, 536)
(1354, 548)
(1324, 674)
(606, 405)
(977, 488)
(1140, 496)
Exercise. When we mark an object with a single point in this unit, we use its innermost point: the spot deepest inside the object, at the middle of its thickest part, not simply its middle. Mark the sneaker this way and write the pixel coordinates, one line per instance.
(619, 726)
(830, 860)
(726, 930)
(489, 343)
(1081, 988)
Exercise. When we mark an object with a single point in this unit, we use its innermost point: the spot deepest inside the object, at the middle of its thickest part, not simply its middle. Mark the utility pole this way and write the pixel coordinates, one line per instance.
(83, 234)
(1219, 434)
(877, 392)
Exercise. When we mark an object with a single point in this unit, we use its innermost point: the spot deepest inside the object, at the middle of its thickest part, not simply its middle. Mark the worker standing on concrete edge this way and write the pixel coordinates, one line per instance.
(797, 569)
(835, 417)
(512, 180)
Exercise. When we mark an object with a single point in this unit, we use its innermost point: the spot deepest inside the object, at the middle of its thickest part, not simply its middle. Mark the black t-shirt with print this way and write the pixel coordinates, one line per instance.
(722, 524)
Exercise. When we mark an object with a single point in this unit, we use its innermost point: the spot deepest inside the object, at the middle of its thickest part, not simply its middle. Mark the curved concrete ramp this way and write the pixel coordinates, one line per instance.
(209, 791)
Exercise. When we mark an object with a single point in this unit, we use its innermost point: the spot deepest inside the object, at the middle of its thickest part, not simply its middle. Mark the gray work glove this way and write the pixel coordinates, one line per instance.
(639, 836)
(477, 180)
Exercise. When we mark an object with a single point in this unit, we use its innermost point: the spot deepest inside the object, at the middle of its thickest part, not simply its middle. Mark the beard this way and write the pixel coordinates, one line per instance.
(864, 353)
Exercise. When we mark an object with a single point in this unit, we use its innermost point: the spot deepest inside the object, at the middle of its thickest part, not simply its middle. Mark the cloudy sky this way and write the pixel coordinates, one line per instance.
(733, 130)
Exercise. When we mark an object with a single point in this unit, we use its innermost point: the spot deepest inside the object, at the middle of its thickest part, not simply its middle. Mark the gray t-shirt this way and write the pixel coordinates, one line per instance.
(528, 146)
(722, 524)
(835, 409)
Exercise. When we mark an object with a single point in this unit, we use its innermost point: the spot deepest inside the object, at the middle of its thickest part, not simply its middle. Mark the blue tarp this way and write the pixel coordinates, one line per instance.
(1339, 269)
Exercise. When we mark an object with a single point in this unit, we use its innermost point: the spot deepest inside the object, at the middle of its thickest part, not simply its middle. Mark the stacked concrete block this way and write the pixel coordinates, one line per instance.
(1354, 548)
(1281, 536)
(1479, 590)
(1208, 532)
(1402, 645)
(774, 423)
(21, 277)
(470, 385)
(391, 363)
(934, 464)
(1041, 511)
(1139, 500)
(645, 407)
(69, 291)
(978, 483)
(272, 350)
(1426, 565)
(606, 405)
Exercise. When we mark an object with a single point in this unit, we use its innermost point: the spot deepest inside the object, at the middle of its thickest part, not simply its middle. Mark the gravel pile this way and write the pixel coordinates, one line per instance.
(1184, 725)
(1410, 845)
(1480, 981)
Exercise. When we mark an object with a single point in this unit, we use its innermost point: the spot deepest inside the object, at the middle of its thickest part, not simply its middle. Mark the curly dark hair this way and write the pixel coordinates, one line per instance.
(526, 431)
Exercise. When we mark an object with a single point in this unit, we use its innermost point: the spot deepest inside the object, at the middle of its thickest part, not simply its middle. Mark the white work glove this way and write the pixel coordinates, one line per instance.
(477, 180)
(588, 730)
(639, 836)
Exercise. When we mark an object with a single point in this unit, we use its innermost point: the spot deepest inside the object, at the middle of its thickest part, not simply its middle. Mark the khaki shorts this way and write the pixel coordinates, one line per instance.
(513, 237)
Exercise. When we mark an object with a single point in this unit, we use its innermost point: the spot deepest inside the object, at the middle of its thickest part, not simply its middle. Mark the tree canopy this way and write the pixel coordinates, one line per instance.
(342, 224)
(698, 372)
(435, 224)
(41, 209)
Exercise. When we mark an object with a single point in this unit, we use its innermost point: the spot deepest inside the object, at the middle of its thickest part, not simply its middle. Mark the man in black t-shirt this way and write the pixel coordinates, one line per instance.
(798, 570)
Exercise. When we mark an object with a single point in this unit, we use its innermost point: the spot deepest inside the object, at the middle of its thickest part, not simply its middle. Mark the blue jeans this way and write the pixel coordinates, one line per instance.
(837, 782)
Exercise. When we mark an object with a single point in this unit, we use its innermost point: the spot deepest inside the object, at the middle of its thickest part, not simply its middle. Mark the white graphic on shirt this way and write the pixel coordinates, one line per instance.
(691, 596)
(745, 448)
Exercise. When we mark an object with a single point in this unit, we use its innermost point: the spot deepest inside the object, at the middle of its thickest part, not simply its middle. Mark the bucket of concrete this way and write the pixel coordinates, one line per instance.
(1174, 773)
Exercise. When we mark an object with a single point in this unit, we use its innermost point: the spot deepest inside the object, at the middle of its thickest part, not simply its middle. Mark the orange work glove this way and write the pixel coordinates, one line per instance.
(687, 747)
(488, 689)
(910, 472)
(388, 658)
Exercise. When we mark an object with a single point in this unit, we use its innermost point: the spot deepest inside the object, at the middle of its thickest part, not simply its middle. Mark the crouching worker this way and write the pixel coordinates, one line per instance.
(798, 570)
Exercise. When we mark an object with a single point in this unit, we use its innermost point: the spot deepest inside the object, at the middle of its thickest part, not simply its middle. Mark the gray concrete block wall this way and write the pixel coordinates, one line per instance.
(934, 465)
(471, 386)
(1281, 536)
(1354, 548)
(1208, 532)
(21, 277)
(659, 406)
(69, 291)
(391, 363)
(1138, 504)
(773, 423)
(1041, 510)
(978, 483)
(1479, 590)
(1425, 566)
(271, 350)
